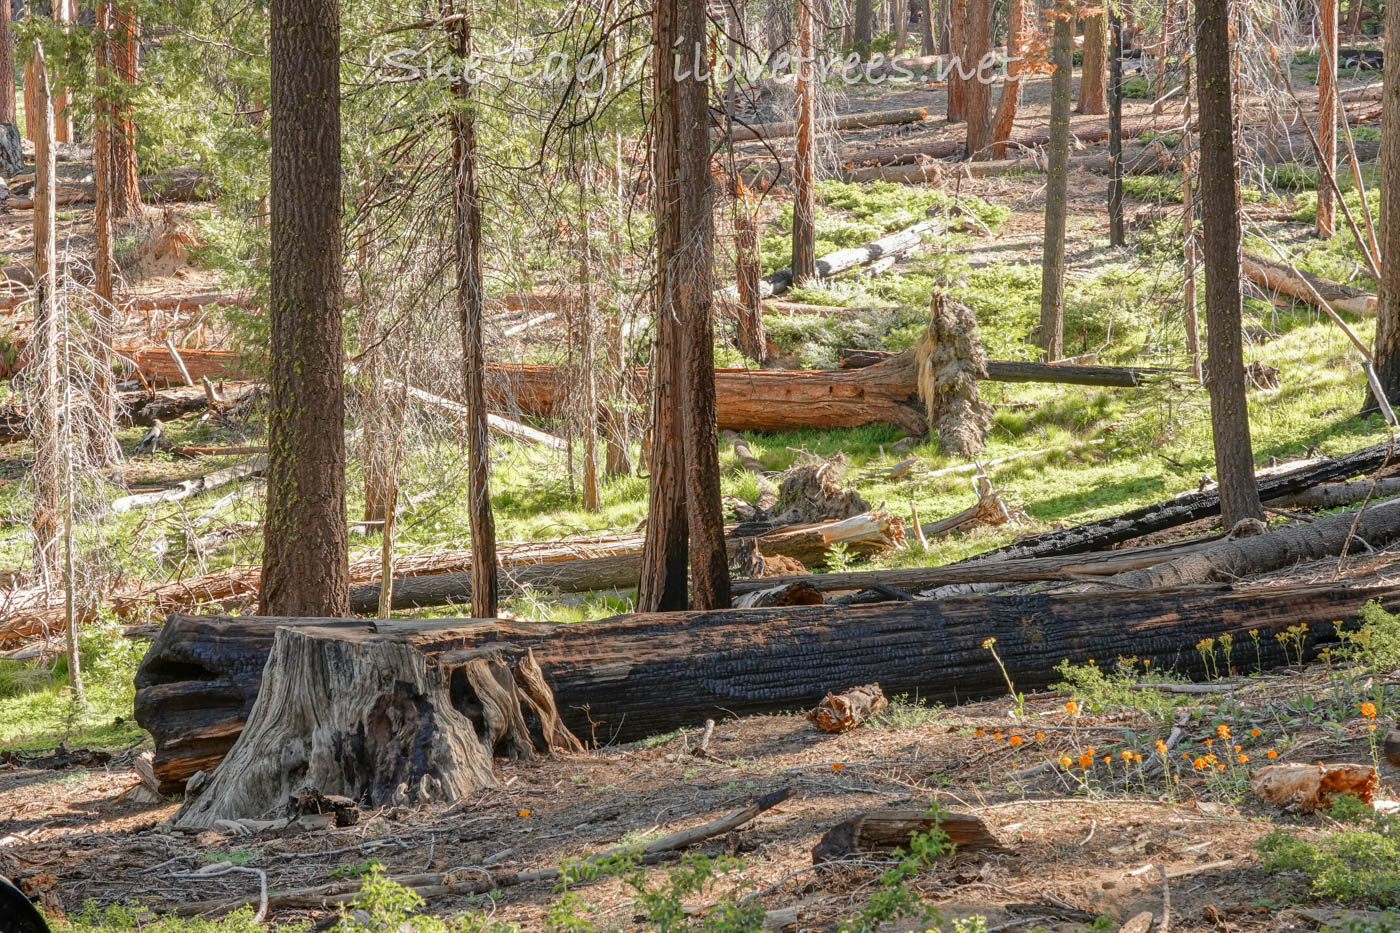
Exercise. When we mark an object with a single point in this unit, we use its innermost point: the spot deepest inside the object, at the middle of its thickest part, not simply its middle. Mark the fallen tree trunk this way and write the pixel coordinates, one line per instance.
(893, 244)
(501, 425)
(946, 148)
(1232, 559)
(1018, 371)
(191, 487)
(1277, 277)
(1103, 533)
(863, 534)
(637, 675)
(158, 367)
(851, 121)
(1334, 495)
(177, 185)
(1150, 159)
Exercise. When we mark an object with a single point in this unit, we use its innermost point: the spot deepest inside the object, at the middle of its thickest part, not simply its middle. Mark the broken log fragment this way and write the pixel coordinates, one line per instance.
(192, 487)
(887, 829)
(200, 677)
(1125, 377)
(842, 712)
(894, 244)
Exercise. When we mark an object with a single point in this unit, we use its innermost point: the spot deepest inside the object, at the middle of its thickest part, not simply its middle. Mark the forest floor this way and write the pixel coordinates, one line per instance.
(1077, 841)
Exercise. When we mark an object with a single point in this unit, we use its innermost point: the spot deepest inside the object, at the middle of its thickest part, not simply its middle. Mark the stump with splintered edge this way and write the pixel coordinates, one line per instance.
(378, 721)
(950, 361)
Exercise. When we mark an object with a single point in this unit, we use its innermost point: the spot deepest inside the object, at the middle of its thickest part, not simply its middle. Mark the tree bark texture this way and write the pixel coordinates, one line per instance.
(977, 43)
(1220, 230)
(305, 539)
(804, 207)
(7, 67)
(102, 447)
(44, 347)
(1115, 128)
(466, 214)
(1387, 353)
(865, 28)
(126, 60)
(1010, 101)
(1093, 77)
(1326, 114)
(957, 41)
(1052, 269)
(638, 675)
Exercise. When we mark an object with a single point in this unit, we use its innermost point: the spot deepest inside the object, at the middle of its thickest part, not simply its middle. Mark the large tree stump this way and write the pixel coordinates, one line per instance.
(378, 721)
(950, 361)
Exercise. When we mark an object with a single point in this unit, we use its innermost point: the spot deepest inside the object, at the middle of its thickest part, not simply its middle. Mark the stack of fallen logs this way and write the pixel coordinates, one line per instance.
(198, 683)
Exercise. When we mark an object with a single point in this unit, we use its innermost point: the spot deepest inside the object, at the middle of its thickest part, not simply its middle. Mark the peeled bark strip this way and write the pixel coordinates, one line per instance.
(1377, 526)
(854, 121)
(1105, 532)
(884, 830)
(201, 675)
(1276, 277)
(348, 718)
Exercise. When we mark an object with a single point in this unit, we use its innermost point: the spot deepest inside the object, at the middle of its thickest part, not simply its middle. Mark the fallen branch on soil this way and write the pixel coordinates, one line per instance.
(892, 244)
(436, 885)
(200, 677)
(501, 425)
(1277, 277)
(192, 487)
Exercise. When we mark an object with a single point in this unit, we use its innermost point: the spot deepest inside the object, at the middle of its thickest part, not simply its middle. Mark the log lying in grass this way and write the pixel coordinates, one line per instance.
(863, 534)
(1103, 533)
(1277, 277)
(192, 487)
(1150, 159)
(1374, 527)
(158, 368)
(183, 184)
(1334, 495)
(637, 675)
(947, 148)
(1018, 371)
(898, 243)
(501, 425)
(851, 121)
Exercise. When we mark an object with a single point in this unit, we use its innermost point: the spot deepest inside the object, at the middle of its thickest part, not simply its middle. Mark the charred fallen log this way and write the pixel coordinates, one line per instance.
(631, 676)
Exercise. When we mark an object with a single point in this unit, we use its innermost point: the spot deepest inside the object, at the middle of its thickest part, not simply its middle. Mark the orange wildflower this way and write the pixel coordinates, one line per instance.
(1040, 736)
(1223, 731)
(997, 736)
(1161, 747)
(1065, 762)
(1072, 708)
(1086, 761)
(1199, 764)
(1108, 759)
(1014, 741)
(1127, 754)
(1272, 753)
(837, 766)
(1209, 742)
(524, 814)
(980, 731)
(1368, 709)
(1254, 733)
(1244, 759)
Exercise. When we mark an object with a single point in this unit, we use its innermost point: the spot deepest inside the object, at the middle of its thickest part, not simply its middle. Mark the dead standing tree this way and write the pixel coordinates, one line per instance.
(684, 517)
(804, 208)
(45, 417)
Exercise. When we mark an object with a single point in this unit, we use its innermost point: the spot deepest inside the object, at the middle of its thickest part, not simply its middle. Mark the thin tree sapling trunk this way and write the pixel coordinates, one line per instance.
(48, 470)
(1016, 40)
(1327, 115)
(1115, 128)
(1052, 281)
(804, 208)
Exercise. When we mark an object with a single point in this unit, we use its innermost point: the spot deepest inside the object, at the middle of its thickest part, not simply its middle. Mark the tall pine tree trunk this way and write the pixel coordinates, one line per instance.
(305, 566)
(1016, 42)
(804, 208)
(64, 13)
(927, 44)
(977, 43)
(126, 53)
(466, 217)
(1115, 129)
(1093, 79)
(7, 66)
(684, 517)
(865, 28)
(1388, 307)
(957, 44)
(1219, 191)
(101, 440)
(1326, 115)
(587, 377)
(1052, 270)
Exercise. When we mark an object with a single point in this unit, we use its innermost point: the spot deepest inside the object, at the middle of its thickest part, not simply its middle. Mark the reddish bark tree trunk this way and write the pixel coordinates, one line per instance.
(1052, 270)
(7, 66)
(1234, 460)
(977, 43)
(957, 43)
(126, 176)
(1388, 308)
(1326, 114)
(466, 210)
(1093, 79)
(684, 515)
(1016, 39)
(305, 566)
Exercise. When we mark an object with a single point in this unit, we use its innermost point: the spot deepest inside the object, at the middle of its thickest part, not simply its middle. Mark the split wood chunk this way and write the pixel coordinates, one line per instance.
(800, 593)
(1310, 787)
(841, 712)
(371, 720)
(883, 830)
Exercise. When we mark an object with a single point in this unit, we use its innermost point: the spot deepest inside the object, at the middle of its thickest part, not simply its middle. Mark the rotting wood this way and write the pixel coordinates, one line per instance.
(201, 675)
(899, 243)
(1333, 495)
(1277, 277)
(1125, 377)
(844, 711)
(887, 829)
(192, 487)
